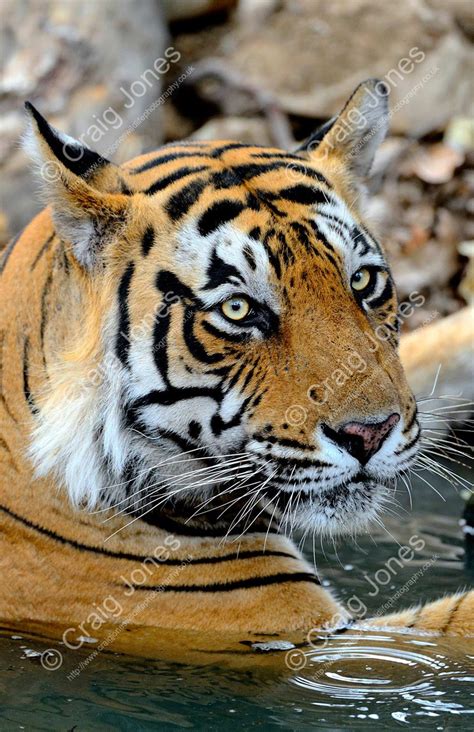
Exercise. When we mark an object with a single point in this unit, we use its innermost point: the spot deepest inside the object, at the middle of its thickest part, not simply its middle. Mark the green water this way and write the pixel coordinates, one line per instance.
(379, 682)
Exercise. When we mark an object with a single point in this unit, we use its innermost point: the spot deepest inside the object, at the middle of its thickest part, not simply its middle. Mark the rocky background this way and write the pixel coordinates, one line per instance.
(127, 75)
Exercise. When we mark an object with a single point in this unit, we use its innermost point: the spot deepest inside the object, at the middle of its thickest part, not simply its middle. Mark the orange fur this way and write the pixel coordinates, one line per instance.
(59, 559)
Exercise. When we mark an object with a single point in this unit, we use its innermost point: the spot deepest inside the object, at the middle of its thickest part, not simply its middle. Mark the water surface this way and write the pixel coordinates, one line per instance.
(380, 681)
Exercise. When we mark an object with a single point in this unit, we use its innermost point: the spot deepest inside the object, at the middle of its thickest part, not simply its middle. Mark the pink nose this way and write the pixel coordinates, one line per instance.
(361, 439)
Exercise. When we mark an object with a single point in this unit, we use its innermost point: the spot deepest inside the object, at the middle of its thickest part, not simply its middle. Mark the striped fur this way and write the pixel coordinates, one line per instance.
(147, 443)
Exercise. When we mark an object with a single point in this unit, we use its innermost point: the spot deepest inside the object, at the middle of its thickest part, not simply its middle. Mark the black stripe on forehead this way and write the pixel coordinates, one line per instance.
(300, 193)
(173, 177)
(219, 272)
(360, 240)
(302, 235)
(369, 239)
(329, 251)
(168, 158)
(217, 214)
(217, 152)
(272, 256)
(249, 256)
(356, 235)
(236, 174)
(180, 202)
(285, 249)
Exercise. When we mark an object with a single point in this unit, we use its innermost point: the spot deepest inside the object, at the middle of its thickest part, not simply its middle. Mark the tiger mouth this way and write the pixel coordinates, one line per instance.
(330, 494)
(345, 507)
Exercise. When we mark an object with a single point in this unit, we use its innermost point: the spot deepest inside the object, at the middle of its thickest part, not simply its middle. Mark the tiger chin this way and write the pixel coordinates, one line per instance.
(192, 369)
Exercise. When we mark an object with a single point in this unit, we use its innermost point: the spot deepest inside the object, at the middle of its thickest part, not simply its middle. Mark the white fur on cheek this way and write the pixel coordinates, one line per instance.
(64, 443)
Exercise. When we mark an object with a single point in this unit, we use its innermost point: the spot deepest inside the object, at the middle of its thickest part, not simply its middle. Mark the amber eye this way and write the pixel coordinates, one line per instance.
(236, 308)
(361, 279)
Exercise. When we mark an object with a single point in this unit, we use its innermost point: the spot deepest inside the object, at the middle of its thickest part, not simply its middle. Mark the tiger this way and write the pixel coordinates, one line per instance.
(191, 372)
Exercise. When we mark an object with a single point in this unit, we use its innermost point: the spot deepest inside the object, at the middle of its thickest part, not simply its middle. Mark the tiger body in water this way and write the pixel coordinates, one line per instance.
(169, 332)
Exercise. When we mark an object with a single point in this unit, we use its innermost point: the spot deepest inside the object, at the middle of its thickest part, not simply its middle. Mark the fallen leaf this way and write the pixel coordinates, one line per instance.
(437, 164)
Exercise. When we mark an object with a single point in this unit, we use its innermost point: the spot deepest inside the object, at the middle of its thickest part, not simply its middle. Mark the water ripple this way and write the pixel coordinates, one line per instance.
(410, 677)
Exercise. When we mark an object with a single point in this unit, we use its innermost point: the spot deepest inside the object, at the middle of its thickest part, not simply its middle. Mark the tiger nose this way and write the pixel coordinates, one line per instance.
(361, 439)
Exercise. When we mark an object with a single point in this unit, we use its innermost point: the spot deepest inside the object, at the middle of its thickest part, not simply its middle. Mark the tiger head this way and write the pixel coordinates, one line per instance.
(229, 327)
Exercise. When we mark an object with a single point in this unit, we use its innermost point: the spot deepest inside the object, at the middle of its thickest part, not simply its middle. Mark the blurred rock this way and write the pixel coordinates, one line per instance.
(251, 14)
(426, 267)
(81, 63)
(243, 129)
(437, 163)
(311, 54)
(441, 353)
(439, 88)
(461, 10)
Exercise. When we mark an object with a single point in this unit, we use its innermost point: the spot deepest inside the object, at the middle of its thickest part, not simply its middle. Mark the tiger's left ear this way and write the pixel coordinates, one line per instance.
(88, 194)
(353, 137)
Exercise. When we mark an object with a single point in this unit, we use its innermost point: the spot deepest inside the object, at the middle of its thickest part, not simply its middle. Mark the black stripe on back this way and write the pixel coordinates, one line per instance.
(235, 556)
(243, 584)
(44, 311)
(42, 251)
(225, 178)
(26, 376)
(6, 254)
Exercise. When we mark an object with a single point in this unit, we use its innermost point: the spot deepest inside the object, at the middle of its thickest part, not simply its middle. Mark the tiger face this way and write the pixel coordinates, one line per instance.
(244, 322)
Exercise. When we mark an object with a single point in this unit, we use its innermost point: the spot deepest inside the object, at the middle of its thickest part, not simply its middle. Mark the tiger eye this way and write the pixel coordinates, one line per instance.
(361, 279)
(236, 308)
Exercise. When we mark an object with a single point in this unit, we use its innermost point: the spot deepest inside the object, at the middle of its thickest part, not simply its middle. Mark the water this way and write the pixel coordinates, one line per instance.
(381, 681)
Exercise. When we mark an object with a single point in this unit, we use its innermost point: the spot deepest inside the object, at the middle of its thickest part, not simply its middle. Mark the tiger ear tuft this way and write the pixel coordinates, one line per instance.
(76, 157)
(83, 188)
(354, 135)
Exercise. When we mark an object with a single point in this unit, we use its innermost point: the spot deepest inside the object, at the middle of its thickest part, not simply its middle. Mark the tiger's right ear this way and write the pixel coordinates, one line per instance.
(88, 194)
(352, 138)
